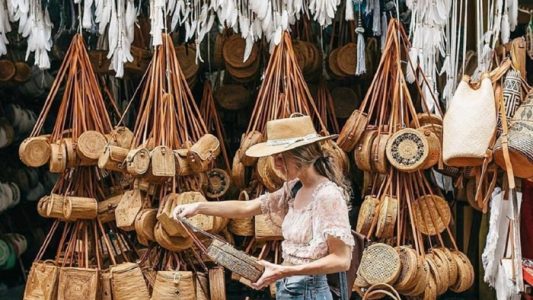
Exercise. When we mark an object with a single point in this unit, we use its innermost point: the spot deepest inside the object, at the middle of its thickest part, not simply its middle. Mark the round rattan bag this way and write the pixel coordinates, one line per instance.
(380, 264)
(407, 150)
(367, 213)
(407, 279)
(218, 182)
(432, 214)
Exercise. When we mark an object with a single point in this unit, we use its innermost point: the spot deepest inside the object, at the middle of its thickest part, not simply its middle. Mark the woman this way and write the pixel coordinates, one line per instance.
(314, 223)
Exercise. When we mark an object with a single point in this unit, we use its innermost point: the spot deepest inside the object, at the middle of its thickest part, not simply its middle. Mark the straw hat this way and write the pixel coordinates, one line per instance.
(286, 134)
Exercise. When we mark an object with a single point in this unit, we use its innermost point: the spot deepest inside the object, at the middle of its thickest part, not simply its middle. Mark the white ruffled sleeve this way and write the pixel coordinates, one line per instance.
(330, 216)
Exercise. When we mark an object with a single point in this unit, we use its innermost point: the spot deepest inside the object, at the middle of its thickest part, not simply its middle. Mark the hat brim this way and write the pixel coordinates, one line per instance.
(264, 149)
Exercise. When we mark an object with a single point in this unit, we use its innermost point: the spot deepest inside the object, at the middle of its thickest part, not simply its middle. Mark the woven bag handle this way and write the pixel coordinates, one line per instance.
(381, 289)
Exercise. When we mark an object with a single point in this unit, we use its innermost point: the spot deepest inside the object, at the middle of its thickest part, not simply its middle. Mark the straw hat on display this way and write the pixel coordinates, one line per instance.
(287, 134)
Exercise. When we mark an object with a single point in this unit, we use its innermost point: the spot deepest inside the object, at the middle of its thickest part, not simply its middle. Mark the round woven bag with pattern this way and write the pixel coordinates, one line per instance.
(407, 150)
(367, 213)
(432, 214)
(380, 264)
(408, 275)
(218, 182)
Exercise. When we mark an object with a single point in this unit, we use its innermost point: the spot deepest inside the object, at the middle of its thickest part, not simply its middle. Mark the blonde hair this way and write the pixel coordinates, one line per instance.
(313, 154)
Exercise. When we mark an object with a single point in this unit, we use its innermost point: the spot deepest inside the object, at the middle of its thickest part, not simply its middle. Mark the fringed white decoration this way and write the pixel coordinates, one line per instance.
(102, 14)
(505, 29)
(492, 253)
(413, 58)
(5, 26)
(384, 25)
(361, 60)
(376, 19)
(323, 11)
(157, 21)
(87, 21)
(121, 34)
(349, 14)
(513, 14)
(37, 27)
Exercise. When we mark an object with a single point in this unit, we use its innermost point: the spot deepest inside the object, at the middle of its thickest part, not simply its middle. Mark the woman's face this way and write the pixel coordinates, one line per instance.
(286, 165)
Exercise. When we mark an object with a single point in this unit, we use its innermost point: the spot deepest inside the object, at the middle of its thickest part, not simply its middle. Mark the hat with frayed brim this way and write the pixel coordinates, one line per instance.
(287, 134)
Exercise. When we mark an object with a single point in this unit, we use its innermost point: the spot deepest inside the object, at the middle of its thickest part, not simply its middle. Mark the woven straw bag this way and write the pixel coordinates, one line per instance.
(367, 214)
(120, 137)
(203, 153)
(469, 124)
(340, 158)
(113, 158)
(90, 146)
(380, 264)
(106, 208)
(55, 207)
(171, 243)
(79, 208)
(35, 151)
(163, 164)
(265, 230)
(127, 209)
(271, 178)
(410, 150)
(145, 224)
(378, 291)
(432, 214)
(78, 283)
(237, 261)
(465, 273)
(183, 168)
(217, 283)
(72, 156)
(232, 96)
(141, 60)
(202, 287)
(170, 285)
(218, 182)
(363, 151)
(128, 283)
(408, 275)
(106, 291)
(138, 161)
(238, 172)
(352, 130)
(520, 141)
(378, 160)
(58, 158)
(248, 140)
(41, 283)
(242, 227)
(386, 218)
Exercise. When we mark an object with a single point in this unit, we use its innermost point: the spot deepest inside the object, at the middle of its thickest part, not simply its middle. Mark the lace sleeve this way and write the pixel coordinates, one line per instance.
(330, 216)
(274, 205)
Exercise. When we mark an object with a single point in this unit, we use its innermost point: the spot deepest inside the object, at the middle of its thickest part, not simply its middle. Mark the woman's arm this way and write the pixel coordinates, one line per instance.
(338, 260)
(228, 209)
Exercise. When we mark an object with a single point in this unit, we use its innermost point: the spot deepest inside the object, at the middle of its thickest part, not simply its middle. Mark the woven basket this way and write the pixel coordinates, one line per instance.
(340, 158)
(408, 150)
(35, 151)
(367, 214)
(203, 153)
(408, 275)
(113, 158)
(380, 263)
(90, 146)
(145, 224)
(432, 214)
(423, 275)
(72, 156)
(58, 158)
(42, 206)
(235, 260)
(378, 160)
(271, 178)
(363, 150)
(238, 172)
(187, 59)
(78, 283)
(441, 283)
(183, 168)
(333, 64)
(233, 53)
(352, 130)
(218, 182)
(347, 59)
(55, 205)
(232, 96)
(128, 283)
(202, 287)
(242, 227)
(138, 161)
(444, 270)
(163, 165)
(465, 273)
(127, 209)
(171, 243)
(247, 141)
(41, 283)
(265, 230)
(106, 291)
(386, 218)
(171, 285)
(79, 208)
(106, 208)
(217, 283)
(446, 255)
(121, 137)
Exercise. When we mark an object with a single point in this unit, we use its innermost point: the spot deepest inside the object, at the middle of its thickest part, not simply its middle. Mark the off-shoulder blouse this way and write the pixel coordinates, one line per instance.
(305, 231)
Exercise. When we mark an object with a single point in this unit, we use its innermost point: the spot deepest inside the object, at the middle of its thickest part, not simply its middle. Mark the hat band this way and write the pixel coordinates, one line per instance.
(291, 141)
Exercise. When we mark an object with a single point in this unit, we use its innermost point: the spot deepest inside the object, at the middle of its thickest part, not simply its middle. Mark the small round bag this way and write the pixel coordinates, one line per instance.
(363, 151)
(380, 263)
(218, 182)
(407, 150)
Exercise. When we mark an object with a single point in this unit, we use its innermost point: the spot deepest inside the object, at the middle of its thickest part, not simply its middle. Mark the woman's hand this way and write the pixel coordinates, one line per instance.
(272, 273)
(185, 210)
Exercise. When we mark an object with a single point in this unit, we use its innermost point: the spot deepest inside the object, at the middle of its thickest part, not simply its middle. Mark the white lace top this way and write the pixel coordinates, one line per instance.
(305, 231)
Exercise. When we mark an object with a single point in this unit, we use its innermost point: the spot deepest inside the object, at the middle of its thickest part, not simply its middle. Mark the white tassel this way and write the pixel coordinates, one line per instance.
(87, 14)
(513, 14)
(361, 59)
(349, 15)
(376, 19)
(413, 57)
(505, 29)
(384, 29)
